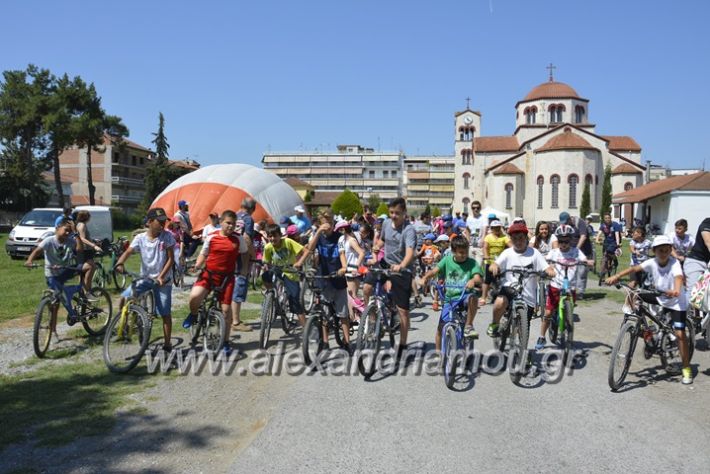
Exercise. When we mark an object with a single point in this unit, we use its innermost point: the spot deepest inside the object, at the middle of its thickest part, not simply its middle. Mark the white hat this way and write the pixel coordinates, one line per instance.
(442, 238)
(299, 208)
(661, 240)
(495, 224)
(382, 216)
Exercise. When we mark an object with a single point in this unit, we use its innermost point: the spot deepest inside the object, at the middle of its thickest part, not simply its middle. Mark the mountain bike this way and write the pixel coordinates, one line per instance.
(455, 347)
(321, 317)
(102, 277)
(128, 334)
(210, 319)
(254, 275)
(654, 327)
(92, 310)
(610, 263)
(562, 322)
(514, 325)
(380, 316)
(701, 323)
(276, 304)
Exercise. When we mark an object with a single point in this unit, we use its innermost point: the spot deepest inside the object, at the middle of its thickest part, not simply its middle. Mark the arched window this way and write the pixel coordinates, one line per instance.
(589, 180)
(556, 112)
(540, 184)
(628, 186)
(530, 113)
(466, 177)
(509, 196)
(466, 202)
(573, 180)
(579, 114)
(555, 182)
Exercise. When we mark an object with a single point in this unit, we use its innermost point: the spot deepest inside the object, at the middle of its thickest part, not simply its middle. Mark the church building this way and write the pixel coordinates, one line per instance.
(540, 170)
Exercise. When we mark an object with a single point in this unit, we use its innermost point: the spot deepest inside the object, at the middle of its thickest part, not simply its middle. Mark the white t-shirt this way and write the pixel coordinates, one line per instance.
(209, 228)
(544, 247)
(153, 252)
(351, 256)
(475, 227)
(572, 256)
(664, 279)
(530, 258)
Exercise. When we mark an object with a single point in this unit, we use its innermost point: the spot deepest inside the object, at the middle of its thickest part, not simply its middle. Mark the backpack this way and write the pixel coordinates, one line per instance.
(699, 294)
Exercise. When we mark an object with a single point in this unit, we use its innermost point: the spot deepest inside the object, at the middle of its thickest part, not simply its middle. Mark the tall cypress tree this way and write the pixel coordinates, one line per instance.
(606, 190)
(585, 207)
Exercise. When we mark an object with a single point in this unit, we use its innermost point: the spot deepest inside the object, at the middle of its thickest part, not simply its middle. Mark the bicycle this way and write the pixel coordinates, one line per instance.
(380, 316)
(515, 325)
(255, 272)
(93, 311)
(210, 319)
(659, 337)
(454, 345)
(128, 335)
(276, 304)
(610, 263)
(102, 277)
(562, 323)
(322, 316)
(701, 323)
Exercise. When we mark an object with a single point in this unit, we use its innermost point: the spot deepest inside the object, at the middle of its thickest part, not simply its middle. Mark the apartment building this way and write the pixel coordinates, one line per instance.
(429, 180)
(362, 170)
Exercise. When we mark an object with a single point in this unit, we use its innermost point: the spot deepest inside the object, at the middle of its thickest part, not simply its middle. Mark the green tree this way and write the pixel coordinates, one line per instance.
(382, 209)
(436, 212)
(606, 190)
(374, 201)
(159, 173)
(427, 209)
(585, 207)
(161, 141)
(347, 204)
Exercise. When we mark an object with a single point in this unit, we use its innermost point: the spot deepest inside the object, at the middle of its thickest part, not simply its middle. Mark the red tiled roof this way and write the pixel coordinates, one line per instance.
(625, 168)
(323, 198)
(692, 182)
(551, 90)
(109, 139)
(293, 182)
(493, 144)
(566, 141)
(508, 168)
(191, 165)
(622, 143)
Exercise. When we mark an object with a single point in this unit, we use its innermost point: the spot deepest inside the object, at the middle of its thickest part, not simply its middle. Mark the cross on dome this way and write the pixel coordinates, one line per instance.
(551, 67)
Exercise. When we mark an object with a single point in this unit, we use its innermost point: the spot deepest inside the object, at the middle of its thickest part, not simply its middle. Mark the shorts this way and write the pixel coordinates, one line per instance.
(86, 255)
(489, 276)
(678, 318)
(162, 295)
(553, 298)
(507, 294)
(239, 295)
(339, 299)
(639, 278)
(448, 307)
(216, 281)
(57, 282)
(401, 286)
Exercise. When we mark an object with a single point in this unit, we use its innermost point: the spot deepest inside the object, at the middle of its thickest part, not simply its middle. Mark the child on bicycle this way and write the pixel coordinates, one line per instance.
(60, 250)
(567, 254)
(639, 248)
(459, 273)
(156, 249)
(667, 276)
(493, 245)
(283, 252)
(216, 263)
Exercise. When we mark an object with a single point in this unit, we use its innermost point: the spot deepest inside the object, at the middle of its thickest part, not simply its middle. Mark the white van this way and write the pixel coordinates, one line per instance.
(38, 224)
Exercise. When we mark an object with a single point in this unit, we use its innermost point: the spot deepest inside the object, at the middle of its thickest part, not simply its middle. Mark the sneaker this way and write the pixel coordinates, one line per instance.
(540, 344)
(189, 321)
(492, 330)
(227, 350)
(72, 319)
(470, 332)
(687, 376)
(241, 327)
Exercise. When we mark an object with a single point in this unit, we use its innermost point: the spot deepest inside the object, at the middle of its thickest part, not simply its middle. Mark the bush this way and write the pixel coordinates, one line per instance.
(124, 221)
(436, 212)
(347, 204)
(382, 209)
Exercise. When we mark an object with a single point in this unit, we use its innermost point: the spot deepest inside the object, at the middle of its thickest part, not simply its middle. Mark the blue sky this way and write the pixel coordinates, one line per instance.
(236, 79)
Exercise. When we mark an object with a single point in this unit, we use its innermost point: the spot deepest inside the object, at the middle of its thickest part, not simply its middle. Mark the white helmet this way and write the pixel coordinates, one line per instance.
(564, 231)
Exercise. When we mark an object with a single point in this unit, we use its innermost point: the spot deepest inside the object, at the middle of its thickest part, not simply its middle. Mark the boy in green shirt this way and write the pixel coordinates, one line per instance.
(459, 272)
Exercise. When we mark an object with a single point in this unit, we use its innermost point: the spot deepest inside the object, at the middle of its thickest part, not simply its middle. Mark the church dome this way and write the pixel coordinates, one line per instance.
(551, 90)
(566, 141)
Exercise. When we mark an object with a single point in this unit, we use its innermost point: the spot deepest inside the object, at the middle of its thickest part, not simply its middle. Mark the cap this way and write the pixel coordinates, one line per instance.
(429, 237)
(517, 228)
(382, 216)
(292, 230)
(355, 226)
(492, 216)
(342, 224)
(442, 238)
(157, 213)
(564, 217)
(495, 223)
(299, 208)
(661, 240)
(589, 217)
(447, 224)
(447, 217)
(183, 203)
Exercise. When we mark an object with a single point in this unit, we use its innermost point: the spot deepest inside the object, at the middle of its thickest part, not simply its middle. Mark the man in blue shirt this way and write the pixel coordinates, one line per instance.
(301, 220)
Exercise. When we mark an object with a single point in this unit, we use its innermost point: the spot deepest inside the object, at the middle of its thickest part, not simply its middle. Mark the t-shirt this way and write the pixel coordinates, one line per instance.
(475, 227)
(610, 232)
(496, 245)
(456, 274)
(397, 241)
(543, 247)
(344, 246)
(329, 258)
(303, 223)
(584, 229)
(153, 253)
(642, 248)
(663, 279)
(700, 251)
(57, 253)
(208, 229)
(429, 253)
(683, 246)
(574, 255)
(531, 259)
(421, 229)
(283, 256)
(221, 251)
(245, 224)
(183, 218)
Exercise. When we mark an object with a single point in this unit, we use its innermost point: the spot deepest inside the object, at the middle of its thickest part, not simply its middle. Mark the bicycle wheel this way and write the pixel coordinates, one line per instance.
(622, 353)
(43, 327)
(313, 337)
(518, 351)
(214, 332)
(97, 312)
(451, 358)
(307, 296)
(196, 329)
(126, 339)
(178, 276)
(567, 335)
(268, 310)
(100, 277)
(368, 340)
(553, 328)
(119, 280)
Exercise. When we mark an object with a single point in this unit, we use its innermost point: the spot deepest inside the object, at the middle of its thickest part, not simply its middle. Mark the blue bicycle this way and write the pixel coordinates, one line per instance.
(455, 347)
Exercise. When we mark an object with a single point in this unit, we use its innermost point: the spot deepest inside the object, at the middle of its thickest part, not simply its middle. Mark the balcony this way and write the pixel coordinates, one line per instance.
(133, 182)
(125, 199)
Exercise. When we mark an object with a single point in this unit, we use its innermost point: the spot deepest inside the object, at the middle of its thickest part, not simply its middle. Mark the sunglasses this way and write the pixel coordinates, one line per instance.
(563, 242)
(475, 208)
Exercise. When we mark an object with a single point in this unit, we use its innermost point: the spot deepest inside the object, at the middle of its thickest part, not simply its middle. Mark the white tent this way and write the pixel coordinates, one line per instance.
(503, 217)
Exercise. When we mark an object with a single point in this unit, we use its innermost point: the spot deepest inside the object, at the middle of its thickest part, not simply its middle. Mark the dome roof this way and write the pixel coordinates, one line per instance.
(551, 90)
(566, 141)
